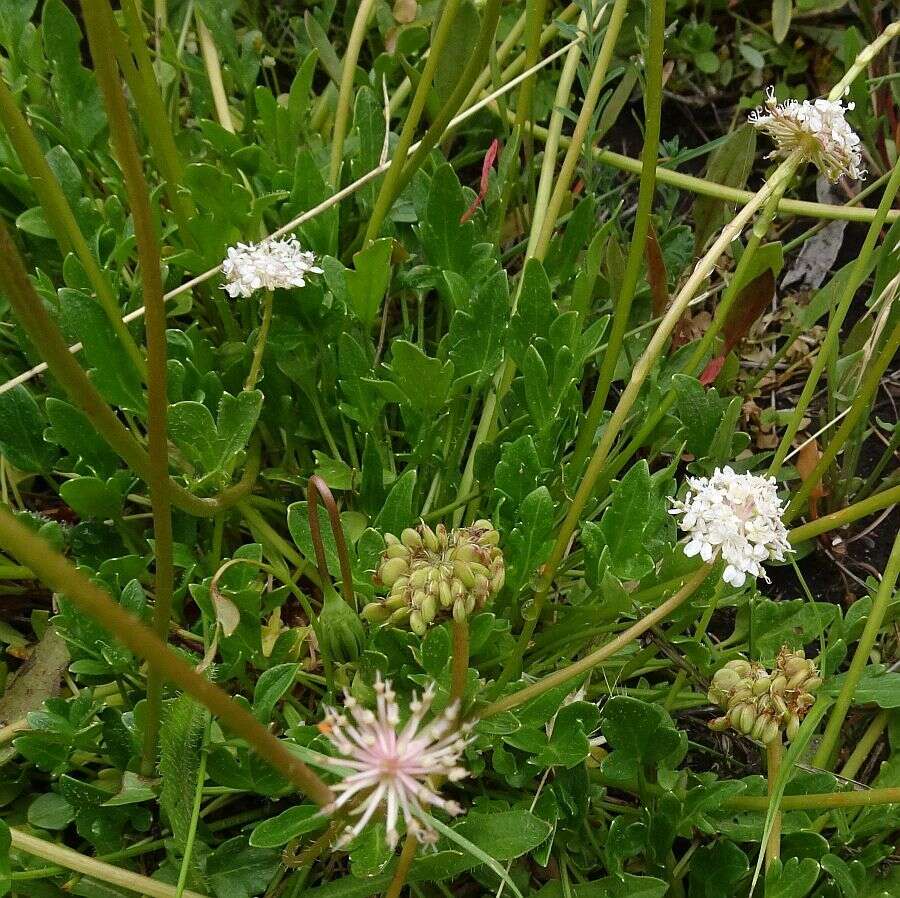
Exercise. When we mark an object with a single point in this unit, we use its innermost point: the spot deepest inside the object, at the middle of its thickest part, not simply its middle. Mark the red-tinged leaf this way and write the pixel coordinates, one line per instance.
(486, 167)
(807, 459)
(711, 371)
(751, 302)
(657, 275)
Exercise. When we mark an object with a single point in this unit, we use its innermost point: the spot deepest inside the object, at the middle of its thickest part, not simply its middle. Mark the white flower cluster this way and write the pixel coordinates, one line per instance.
(737, 515)
(269, 265)
(389, 766)
(819, 129)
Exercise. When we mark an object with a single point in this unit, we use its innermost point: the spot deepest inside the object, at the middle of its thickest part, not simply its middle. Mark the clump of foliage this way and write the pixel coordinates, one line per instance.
(404, 489)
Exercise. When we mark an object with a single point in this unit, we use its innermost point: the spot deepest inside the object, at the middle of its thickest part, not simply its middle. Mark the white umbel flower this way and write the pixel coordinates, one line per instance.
(385, 765)
(269, 265)
(737, 515)
(819, 129)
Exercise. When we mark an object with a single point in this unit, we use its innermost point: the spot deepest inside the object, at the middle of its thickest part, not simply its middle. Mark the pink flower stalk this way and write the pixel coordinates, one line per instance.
(389, 766)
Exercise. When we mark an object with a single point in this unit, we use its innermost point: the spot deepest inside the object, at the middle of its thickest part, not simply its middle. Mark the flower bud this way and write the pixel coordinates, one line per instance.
(340, 628)
(376, 612)
(417, 623)
(390, 570)
(411, 539)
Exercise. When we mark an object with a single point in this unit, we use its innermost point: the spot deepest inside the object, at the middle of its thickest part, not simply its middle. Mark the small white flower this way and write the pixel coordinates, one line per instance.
(737, 515)
(818, 128)
(269, 265)
(390, 766)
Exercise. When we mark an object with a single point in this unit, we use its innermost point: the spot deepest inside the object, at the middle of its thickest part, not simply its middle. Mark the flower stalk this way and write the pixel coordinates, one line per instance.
(259, 348)
(844, 516)
(653, 82)
(774, 752)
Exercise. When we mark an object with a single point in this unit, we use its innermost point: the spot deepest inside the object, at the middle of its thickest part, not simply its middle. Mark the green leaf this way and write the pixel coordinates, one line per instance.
(876, 686)
(717, 869)
(113, 371)
(782, 10)
(518, 471)
(448, 245)
(700, 411)
(33, 221)
(528, 543)
(91, 497)
(625, 522)
(299, 95)
(50, 811)
(476, 333)
(279, 830)
(462, 38)
(623, 886)
(397, 511)
(71, 429)
(77, 94)
(424, 381)
(22, 432)
(729, 164)
(193, 430)
(639, 730)
(534, 312)
(271, 688)
(791, 879)
(237, 416)
(794, 623)
(236, 870)
(181, 741)
(368, 280)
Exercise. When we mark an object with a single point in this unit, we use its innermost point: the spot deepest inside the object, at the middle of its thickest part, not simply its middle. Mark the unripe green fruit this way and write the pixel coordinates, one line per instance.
(391, 570)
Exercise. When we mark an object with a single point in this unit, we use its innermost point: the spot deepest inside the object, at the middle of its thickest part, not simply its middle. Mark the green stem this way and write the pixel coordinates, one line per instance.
(859, 406)
(535, 10)
(100, 26)
(407, 856)
(88, 866)
(625, 638)
(48, 339)
(259, 348)
(585, 117)
(438, 128)
(459, 671)
(60, 217)
(389, 186)
(865, 745)
(865, 56)
(827, 747)
(636, 251)
(774, 758)
(858, 274)
(868, 798)
(195, 816)
(61, 576)
(345, 95)
(847, 515)
(640, 372)
(704, 187)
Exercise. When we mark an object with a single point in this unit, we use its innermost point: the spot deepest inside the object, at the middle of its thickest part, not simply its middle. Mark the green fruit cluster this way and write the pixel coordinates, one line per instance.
(432, 573)
(759, 703)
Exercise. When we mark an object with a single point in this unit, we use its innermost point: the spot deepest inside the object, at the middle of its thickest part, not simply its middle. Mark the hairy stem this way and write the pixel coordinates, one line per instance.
(61, 576)
(407, 856)
(459, 670)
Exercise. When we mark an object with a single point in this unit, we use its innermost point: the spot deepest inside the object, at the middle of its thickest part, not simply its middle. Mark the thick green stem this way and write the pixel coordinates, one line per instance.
(438, 128)
(388, 192)
(585, 117)
(861, 401)
(824, 754)
(88, 866)
(816, 801)
(535, 10)
(503, 378)
(640, 372)
(60, 217)
(585, 664)
(636, 252)
(100, 28)
(847, 515)
(259, 349)
(345, 95)
(62, 577)
(858, 274)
